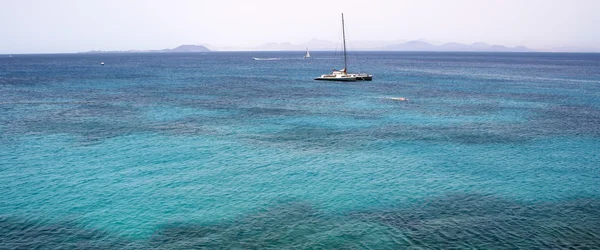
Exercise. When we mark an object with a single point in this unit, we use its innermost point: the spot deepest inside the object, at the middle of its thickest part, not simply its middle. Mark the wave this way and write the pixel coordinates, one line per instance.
(266, 59)
(496, 76)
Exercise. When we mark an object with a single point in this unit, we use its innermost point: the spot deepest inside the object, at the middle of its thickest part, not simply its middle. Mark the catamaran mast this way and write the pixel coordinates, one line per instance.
(344, 36)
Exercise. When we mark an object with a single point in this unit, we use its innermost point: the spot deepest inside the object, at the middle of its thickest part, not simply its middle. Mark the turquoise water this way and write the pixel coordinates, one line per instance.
(215, 150)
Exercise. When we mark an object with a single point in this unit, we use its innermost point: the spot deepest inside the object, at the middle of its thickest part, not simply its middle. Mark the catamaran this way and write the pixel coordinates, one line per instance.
(343, 75)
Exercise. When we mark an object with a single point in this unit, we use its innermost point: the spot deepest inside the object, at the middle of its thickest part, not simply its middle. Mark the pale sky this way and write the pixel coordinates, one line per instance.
(54, 26)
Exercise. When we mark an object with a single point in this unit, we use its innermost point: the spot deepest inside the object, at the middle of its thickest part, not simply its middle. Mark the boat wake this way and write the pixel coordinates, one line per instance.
(404, 99)
(290, 58)
(266, 59)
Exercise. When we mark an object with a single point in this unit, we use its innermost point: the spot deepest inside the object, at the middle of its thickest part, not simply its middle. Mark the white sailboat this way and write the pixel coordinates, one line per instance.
(307, 54)
(343, 75)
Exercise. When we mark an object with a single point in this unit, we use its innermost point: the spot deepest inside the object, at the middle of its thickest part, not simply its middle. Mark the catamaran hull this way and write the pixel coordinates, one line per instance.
(345, 79)
(335, 79)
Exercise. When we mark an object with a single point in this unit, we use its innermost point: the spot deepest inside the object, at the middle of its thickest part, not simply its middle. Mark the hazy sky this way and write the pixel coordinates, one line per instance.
(48, 26)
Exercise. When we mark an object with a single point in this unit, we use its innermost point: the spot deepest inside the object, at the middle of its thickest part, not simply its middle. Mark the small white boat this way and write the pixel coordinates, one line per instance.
(307, 54)
(343, 75)
(101, 63)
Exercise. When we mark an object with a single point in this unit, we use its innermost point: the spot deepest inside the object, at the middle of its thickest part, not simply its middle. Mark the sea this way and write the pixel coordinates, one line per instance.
(215, 150)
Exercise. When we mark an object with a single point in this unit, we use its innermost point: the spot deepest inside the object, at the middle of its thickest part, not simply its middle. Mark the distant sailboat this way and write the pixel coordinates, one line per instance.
(307, 54)
(343, 75)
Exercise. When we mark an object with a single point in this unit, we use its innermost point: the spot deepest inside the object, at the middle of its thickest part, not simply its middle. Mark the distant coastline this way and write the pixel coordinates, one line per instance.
(182, 48)
(420, 45)
(415, 45)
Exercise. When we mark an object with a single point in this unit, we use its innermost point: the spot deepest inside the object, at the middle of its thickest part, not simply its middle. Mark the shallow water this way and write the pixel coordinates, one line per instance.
(491, 150)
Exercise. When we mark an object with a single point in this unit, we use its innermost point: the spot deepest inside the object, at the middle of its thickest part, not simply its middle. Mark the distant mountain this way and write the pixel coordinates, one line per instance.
(480, 45)
(187, 48)
(323, 45)
(430, 41)
(416, 45)
(411, 46)
(454, 47)
(182, 48)
(316, 45)
(476, 47)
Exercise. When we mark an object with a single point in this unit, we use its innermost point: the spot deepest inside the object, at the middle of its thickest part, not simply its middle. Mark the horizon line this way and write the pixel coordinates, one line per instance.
(219, 51)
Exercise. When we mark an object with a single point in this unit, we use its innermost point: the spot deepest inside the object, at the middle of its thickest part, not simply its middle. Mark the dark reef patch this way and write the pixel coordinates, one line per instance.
(480, 221)
(30, 234)
(452, 221)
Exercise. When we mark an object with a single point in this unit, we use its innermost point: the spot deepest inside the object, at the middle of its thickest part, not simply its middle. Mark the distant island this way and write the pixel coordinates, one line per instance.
(324, 45)
(416, 45)
(475, 47)
(399, 45)
(182, 48)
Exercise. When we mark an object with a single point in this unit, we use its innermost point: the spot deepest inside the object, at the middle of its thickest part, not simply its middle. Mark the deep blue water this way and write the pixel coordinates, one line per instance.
(215, 150)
